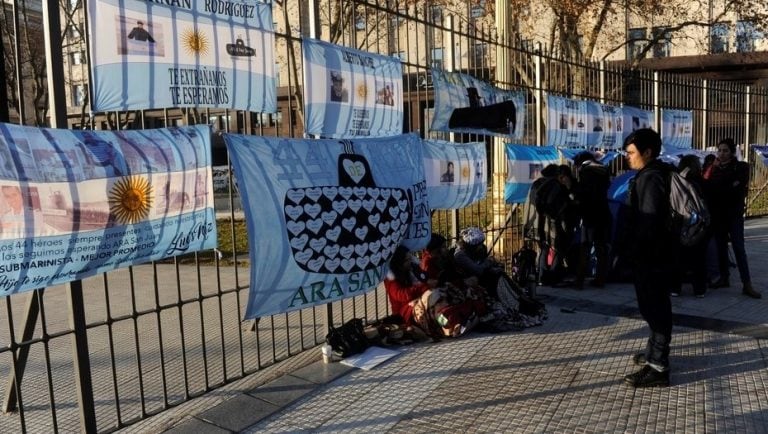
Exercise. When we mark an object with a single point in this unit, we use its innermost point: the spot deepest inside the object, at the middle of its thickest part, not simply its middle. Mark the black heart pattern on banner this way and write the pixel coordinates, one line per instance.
(346, 228)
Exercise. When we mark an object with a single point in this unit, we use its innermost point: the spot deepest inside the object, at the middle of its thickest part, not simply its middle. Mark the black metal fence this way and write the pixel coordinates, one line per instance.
(134, 342)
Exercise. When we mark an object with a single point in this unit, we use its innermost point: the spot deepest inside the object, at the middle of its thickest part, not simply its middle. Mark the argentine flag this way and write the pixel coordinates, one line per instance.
(456, 173)
(524, 166)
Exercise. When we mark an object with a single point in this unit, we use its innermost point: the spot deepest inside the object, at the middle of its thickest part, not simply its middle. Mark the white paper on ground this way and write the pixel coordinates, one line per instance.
(370, 358)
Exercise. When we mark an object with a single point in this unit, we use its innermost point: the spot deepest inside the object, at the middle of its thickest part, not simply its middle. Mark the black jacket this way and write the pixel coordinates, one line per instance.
(592, 194)
(726, 190)
(651, 243)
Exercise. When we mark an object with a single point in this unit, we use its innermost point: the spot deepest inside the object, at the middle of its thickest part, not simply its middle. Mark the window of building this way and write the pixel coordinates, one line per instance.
(437, 58)
(636, 40)
(78, 95)
(359, 22)
(718, 38)
(746, 35)
(477, 9)
(77, 58)
(663, 41)
(480, 53)
(437, 14)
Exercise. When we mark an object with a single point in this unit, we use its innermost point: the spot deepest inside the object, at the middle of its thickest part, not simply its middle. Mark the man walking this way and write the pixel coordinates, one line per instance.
(652, 249)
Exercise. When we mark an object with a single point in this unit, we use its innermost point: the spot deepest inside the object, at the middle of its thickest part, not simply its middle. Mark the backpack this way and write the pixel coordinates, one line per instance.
(689, 216)
(544, 198)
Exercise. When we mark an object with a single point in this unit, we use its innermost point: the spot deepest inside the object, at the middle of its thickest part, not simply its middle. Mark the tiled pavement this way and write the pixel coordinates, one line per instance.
(564, 376)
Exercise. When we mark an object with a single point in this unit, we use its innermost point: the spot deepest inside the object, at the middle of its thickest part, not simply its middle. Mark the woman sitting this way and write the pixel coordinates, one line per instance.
(436, 311)
(402, 284)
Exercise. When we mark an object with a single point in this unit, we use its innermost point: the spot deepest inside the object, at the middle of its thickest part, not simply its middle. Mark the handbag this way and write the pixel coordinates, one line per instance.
(348, 339)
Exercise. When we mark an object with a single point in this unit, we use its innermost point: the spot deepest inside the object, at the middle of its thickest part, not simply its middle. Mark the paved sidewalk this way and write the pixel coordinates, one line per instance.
(564, 376)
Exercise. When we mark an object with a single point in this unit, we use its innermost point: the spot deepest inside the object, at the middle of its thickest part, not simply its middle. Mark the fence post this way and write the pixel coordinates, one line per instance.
(656, 102)
(747, 120)
(58, 111)
(602, 81)
(704, 112)
(4, 112)
(449, 56)
(539, 94)
(499, 160)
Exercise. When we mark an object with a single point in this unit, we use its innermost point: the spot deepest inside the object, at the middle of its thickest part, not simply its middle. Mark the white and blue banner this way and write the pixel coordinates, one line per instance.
(456, 173)
(583, 124)
(524, 166)
(351, 93)
(569, 123)
(465, 104)
(324, 216)
(607, 125)
(677, 128)
(78, 203)
(635, 119)
(182, 53)
(762, 151)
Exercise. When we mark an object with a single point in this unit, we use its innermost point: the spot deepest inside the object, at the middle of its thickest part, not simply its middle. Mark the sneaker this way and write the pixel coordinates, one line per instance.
(699, 295)
(639, 359)
(720, 283)
(749, 291)
(674, 293)
(648, 377)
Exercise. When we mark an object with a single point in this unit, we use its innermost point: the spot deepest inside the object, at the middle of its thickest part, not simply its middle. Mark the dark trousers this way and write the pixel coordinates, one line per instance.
(652, 289)
(693, 259)
(733, 229)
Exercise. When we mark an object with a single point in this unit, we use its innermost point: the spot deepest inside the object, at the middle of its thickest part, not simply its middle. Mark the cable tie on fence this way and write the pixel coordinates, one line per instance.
(218, 254)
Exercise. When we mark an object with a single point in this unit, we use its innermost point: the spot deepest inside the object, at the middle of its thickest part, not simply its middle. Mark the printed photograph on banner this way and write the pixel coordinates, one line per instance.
(563, 121)
(174, 195)
(446, 169)
(618, 121)
(339, 92)
(137, 35)
(384, 94)
(101, 157)
(534, 170)
(21, 213)
(597, 124)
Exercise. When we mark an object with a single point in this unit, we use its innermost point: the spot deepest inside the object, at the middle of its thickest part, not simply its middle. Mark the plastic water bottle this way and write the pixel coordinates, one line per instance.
(327, 353)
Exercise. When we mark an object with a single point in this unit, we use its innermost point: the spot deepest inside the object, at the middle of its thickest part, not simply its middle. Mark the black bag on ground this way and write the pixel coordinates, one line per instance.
(348, 339)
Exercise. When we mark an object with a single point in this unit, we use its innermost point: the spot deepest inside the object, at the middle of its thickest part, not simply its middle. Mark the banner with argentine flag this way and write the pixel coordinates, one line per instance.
(325, 216)
(182, 53)
(607, 123)
(456, 173)
(677, 128)
(524, 164)
(78, 203)
(351, 93)
(635, 119)
(465, 104)
(568, 123)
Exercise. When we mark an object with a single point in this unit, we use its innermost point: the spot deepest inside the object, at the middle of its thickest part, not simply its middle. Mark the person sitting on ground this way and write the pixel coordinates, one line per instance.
(436, 311)
(434, 259)
(403, 285)
(472, 260)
